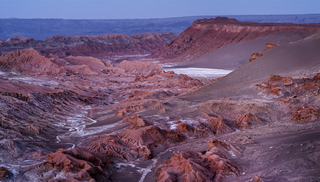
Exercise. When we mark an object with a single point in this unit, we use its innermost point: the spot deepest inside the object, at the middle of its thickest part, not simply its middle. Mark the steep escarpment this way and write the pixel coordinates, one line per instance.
(207, 35)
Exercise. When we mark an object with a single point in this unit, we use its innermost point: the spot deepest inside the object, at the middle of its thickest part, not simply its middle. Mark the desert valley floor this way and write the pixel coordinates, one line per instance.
(224, 100)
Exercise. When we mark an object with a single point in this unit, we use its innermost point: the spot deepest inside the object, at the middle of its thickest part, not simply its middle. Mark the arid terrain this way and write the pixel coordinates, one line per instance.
(108, 108)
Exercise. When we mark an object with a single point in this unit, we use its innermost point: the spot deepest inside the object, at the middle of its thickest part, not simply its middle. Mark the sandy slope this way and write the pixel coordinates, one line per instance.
(233, 56)
(298, 59)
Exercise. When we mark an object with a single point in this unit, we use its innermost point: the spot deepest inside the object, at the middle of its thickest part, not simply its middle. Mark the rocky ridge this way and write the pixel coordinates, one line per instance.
(111, 47)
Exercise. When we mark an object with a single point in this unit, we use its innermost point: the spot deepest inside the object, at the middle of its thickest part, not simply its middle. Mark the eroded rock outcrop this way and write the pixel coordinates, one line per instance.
(28, 62)
(306, 114)
(270, 46)
(140, 68)
(93, 63)
(278, 86)
(190, 131)
(254, 56)
(245, 121)
(140, 140)
(75, 164)
(218, 126)
(214, 165)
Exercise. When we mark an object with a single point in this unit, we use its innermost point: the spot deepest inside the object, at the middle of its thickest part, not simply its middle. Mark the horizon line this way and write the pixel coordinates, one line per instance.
(155, 18)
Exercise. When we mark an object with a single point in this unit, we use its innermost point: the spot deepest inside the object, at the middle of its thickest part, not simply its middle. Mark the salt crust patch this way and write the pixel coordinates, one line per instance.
(199, 72)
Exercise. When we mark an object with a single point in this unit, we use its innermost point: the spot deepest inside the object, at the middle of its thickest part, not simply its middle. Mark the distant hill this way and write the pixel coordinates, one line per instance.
(40, 29)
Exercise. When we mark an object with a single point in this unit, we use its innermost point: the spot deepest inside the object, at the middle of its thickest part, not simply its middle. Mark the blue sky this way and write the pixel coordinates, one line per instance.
(132, 9)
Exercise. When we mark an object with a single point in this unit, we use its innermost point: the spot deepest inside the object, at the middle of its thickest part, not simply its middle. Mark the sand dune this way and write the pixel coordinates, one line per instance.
(295, 59)
(233, 56)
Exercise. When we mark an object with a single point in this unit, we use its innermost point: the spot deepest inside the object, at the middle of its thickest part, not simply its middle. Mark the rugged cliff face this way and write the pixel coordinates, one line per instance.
(107, 47)
(207, 35)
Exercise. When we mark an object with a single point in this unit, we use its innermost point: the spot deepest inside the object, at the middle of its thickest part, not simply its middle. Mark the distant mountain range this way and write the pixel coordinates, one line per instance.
(40, 29)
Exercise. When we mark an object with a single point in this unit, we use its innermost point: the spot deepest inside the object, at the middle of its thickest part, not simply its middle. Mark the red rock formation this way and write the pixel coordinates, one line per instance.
(190, 131)
(185, 166)
(274, 78)
(218, 126)
(76, 164)
(306, 114)
(136, 122)
(3, 173)
(214, 165)
(29, 62)
(207, 35)
(170, 79)
(256, 178)
(270, 46)
(279, 86)
(93, 63)
(245, 121)
(316, 77)
(255, 56)
(140, 140)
